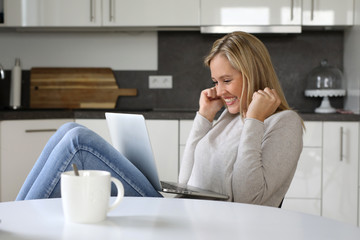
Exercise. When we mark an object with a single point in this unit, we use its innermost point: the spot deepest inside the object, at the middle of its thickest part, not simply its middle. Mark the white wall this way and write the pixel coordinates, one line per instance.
(117, 50)
(352, 63)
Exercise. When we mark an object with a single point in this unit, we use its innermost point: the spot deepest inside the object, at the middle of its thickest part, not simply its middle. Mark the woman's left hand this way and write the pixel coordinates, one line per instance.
(264, 103)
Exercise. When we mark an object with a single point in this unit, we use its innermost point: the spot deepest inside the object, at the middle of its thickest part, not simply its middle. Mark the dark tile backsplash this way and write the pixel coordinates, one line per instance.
(181, 55)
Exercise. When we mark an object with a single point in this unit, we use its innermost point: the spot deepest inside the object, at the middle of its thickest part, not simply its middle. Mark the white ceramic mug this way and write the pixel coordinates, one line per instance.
(86, 197)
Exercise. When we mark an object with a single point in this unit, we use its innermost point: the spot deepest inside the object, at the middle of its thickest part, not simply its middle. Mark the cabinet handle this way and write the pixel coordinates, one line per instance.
(40, 130)
(111, 10)
(312, 10)
(292, 11)
(92, 11)
(341, 143)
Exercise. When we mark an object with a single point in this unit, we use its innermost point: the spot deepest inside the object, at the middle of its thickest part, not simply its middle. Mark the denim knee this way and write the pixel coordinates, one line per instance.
(69, 125)
(81, 134)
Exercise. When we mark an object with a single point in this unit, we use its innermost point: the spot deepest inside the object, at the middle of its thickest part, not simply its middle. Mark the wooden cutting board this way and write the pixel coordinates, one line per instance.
(72, 88)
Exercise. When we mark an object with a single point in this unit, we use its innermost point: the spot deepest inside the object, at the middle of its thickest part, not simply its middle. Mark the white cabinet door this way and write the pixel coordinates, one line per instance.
(99, 126)
(313, 134)
(21, 144)
(185, 128)
(13, 12)
(151, 13)
(255, 12)
(304, 194)
(340, 171)
(164, 138)
(328, 13)
(308, 206)
(53, 13)
(307, 179)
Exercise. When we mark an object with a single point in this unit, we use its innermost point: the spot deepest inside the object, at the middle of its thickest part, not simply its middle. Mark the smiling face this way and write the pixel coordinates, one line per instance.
(241, 55)
(228, 83)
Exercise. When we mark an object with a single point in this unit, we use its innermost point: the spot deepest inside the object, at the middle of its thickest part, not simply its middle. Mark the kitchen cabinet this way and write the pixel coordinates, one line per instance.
(175, 13)
(53, 13)
(140, 13)
(21, 143)
(250, 13)
(304, 194)
(328, 13)
(340, 171)
(185, 128)
(94, 13)
(164, 138)
(326, 180)
(12, 13)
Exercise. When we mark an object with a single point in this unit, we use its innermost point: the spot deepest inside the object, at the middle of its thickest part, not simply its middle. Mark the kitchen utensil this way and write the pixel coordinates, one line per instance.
(76, 172)
(325, 77)
(325, 81)
(2, 72)
(72, 88)
(15, 86)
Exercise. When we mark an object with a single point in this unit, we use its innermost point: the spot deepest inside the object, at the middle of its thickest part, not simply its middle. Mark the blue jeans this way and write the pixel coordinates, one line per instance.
(73, 143)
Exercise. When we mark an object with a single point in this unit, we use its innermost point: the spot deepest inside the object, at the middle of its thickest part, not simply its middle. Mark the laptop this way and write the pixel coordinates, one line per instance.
(129, 135)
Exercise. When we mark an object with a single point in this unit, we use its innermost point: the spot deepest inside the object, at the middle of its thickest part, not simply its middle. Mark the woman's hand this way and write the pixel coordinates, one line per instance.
(209, 103)
(264, 103)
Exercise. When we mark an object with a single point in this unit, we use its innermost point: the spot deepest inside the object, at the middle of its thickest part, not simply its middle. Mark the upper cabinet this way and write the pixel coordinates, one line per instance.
(328, 13)
(85, 13)
(250, 13)
(52, 13)
(139, 13)
(261, 15)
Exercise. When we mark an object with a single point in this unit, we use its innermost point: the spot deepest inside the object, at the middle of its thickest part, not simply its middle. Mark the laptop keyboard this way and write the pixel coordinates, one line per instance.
(175, 188)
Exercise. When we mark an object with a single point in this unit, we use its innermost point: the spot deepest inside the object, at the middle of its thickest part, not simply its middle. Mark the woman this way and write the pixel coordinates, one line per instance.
(250, 153)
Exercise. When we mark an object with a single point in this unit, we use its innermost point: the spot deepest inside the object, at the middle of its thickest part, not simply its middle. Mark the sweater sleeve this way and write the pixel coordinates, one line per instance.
(267, 157)
(200, 128)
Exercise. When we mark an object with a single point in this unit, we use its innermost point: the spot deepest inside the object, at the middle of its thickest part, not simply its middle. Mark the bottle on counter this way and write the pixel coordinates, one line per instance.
(15, 86)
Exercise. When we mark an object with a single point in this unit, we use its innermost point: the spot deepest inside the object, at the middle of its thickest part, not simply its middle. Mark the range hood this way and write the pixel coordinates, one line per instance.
(258, 16)
(251, 29)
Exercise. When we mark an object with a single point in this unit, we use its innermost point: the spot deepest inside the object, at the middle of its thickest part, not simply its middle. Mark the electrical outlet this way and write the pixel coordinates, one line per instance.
(160, 82)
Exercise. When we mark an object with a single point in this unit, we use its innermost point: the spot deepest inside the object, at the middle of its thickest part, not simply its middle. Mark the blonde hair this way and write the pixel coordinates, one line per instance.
(248, 55)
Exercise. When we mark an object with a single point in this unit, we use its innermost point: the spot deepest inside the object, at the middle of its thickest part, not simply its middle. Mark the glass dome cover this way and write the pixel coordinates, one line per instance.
(325, 81)
(325, 77)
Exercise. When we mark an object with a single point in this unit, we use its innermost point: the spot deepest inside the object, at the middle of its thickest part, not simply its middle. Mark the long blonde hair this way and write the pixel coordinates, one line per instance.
(248, 55)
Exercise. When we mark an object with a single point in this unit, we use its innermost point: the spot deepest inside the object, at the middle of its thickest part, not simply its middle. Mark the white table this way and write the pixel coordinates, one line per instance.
(168, 218)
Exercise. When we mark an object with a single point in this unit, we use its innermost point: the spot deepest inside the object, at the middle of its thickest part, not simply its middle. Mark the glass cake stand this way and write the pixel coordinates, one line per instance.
(325, 106)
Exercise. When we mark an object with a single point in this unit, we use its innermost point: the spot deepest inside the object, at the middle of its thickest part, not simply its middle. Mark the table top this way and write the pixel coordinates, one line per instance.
(169, 218)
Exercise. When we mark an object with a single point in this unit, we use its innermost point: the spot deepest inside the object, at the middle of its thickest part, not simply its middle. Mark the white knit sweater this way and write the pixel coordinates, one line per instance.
(251, 161)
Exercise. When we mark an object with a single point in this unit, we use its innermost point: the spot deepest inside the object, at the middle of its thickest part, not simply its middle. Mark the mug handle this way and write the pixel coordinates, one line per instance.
(120, 195)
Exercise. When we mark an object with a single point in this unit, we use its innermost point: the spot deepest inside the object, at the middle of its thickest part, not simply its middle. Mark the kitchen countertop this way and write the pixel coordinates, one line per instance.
(148, 114)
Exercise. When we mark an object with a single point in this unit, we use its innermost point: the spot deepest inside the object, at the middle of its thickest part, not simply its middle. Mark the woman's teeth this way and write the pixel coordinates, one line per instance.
(230, 100)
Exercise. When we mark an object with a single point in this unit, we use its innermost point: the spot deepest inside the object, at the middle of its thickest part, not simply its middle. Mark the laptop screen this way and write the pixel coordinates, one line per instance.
(129, 136)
